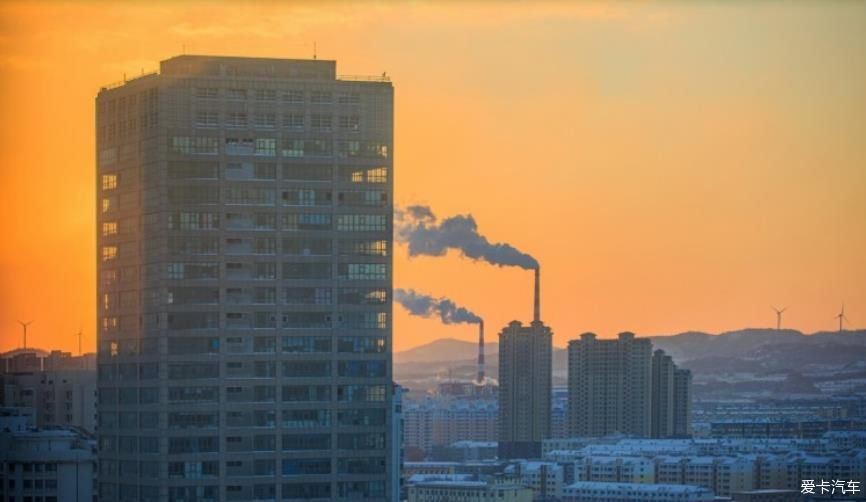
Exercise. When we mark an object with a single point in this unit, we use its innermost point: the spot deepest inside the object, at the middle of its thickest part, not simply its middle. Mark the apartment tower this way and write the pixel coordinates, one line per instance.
(244, 210)
(609, 386)
(525, 385)
(621, 386)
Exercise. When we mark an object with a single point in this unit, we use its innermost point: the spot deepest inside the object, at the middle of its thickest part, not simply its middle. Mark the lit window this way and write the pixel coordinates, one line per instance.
(106, 205)
(109, 253)
(109, 181)
(109, 228)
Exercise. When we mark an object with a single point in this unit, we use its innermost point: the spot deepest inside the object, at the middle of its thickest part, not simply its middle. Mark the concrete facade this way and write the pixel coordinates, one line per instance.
(244, 210)
(525, 386)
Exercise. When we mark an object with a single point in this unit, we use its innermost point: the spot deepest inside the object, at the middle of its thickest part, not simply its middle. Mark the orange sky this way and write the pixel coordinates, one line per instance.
(673, 166)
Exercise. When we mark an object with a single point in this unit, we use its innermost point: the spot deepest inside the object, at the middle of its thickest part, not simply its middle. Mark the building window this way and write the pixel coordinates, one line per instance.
(207, 118)
(266, 147)
(350, 122)
(109, 228)
(109, 181)
(361, 222)
(109, 253)
(206, 92)
(350, 98)
(321, 98)
(266, 95)
(293, 96)
(236, 93)
(236, 119)
(193, 145)
(293, 121)
(320, 122)
(266, 120)
(362, 271)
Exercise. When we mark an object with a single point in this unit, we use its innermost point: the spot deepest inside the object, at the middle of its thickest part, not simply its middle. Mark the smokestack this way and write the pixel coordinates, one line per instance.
(537, 312)
(481, 352)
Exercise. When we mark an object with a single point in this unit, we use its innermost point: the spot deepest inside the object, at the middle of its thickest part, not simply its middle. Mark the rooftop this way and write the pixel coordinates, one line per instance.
(249, 67)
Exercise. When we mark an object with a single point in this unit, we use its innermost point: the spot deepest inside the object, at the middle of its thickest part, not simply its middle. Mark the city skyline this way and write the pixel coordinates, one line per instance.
(729, 180)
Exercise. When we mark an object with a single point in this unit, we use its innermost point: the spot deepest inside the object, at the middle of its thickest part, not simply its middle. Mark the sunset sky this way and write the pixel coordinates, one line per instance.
(673, 166)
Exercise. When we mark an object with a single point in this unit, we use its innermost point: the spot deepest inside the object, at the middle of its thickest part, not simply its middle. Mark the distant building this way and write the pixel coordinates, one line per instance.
(438, 422)
(769, 429)
(546, 479)
(724, 466)
(54, 465)
(621, 387)
(397, 442)
(614, 469)
(467, 491)
(525, 381)
(682, 403)
(59, 388)
(610, 386)
(466, 451)
(766, 496)
(590, 491)
(663, 370)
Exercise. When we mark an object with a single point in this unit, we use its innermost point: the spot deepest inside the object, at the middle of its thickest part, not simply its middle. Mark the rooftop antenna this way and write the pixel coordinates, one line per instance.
(79, 334)
(841, 317)
(779, 316)
(24, 325)
(314, 50)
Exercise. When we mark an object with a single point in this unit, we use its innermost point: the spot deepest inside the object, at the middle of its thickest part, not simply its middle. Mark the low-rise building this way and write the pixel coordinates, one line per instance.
(59, 388)
(467, 491)
(591, 491)
(47, 465)
(546, 479)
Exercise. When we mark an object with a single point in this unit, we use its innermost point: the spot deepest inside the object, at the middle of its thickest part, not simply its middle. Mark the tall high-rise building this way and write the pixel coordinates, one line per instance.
(609, 385)
(244, 210)
(622, 386)
(525, 386)
(663, 369)
(682, 416)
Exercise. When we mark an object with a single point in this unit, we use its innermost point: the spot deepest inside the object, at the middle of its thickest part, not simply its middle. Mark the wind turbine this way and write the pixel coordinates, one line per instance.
(24, 325)
(841, 317)
(779, 316)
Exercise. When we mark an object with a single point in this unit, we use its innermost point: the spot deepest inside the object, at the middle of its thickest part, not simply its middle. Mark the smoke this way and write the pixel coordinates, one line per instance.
(426, 306)
(426, 235)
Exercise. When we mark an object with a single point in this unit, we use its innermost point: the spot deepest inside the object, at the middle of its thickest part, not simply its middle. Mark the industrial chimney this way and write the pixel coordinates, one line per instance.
(537, 312)
(481, 352)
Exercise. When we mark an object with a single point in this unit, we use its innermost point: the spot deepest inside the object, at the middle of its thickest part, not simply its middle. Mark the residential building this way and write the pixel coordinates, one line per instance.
(622, 387)
(244, 215)
(58, 387)
(525, 384)
(436, 422)
(589, 491)
(55, 465)
(467, 491)
(610, 386)
(546, 479)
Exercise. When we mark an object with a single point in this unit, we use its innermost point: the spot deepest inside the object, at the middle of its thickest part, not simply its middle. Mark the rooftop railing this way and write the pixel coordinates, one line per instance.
(365, 78)
(115, 85)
